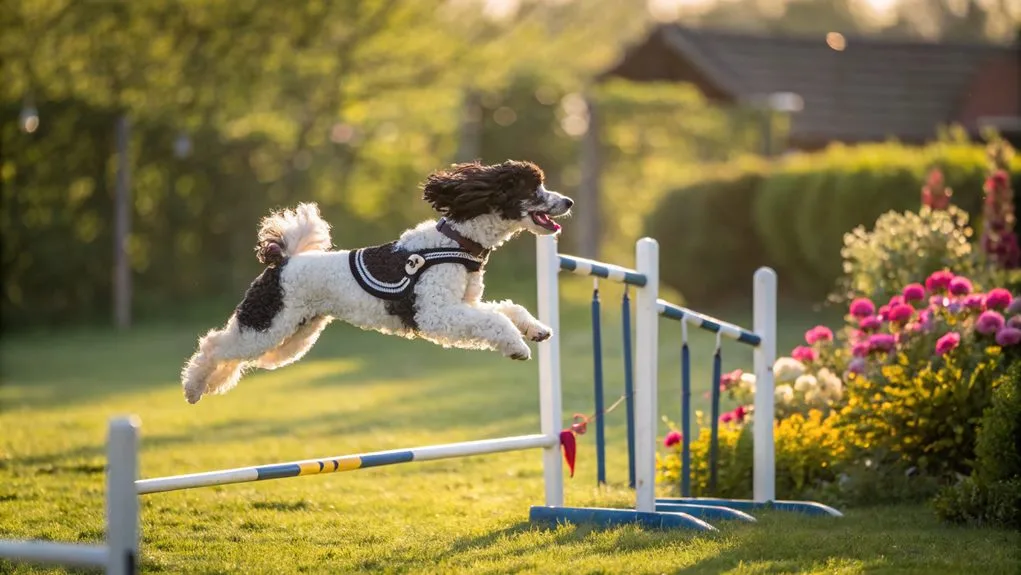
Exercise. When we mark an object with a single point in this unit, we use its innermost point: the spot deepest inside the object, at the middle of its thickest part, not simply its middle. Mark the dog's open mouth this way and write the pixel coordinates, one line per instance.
(543, 220)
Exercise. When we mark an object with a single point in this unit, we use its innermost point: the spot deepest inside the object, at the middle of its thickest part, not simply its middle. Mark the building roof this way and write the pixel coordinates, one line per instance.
(870, 90)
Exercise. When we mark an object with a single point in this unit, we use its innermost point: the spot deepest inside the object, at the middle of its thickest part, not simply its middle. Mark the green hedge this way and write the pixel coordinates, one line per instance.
(707, 236)
(793, 217)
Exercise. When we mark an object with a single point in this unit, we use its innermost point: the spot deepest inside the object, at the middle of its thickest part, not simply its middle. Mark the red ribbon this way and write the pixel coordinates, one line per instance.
(568, 441)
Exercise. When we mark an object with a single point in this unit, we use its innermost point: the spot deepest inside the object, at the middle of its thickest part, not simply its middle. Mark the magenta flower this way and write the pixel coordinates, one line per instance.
(737, 415)
(1008, 336)
(862, 307)
(1015, 306)
(998, 298)
(974, 301)
(882, 342)
(728, 380)
(804, 354)
(948, 343)
(817, 334)
(901, 313)
(672, 438)
(727, 417)
(939, 281)
(895, 301)
(860, 349)
(989, 322)
(914, 292)
(884, 312)
(870, 323)
(960, 285)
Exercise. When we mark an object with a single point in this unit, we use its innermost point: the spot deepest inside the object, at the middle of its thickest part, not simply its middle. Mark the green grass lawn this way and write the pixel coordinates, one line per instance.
(359, 391)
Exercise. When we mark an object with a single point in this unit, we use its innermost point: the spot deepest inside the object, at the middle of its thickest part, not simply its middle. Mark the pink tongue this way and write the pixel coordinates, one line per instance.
(543, 218)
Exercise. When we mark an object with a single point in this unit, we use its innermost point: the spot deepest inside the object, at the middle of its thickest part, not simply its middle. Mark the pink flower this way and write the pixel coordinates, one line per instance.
(1014, 321)
(860, 349)
(895, 301)
(882, 342)
(728, 380)
(727, 417)
(672, 438)
(914, 292)
(989, 322)
(862, 307)
(938, 301)
(817, 334)
(998, 298)
(901, 313)
(948, 343)
(974, 301)
(884, 312)
(939, 281)
(804, 354)
(870, 323)
(735, 416)
(1008, 336)
(960, 285)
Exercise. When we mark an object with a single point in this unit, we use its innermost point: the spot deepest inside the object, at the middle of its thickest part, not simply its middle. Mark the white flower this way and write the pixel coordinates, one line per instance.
(830, 384)
(748, 382)
(787, 369)
(783, 394)
(814, 396)
(806, 383)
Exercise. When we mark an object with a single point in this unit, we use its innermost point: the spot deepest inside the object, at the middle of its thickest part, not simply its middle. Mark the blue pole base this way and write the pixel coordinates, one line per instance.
(706, 512)
(805, 507)
(607, 517)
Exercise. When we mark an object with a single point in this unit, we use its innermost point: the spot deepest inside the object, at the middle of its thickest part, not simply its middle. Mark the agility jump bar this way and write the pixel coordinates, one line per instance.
(729, 330)
(587, 267)
(344, 463)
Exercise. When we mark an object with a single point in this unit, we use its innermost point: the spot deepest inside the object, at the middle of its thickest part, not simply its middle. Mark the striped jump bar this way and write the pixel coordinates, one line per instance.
(667, 309)
(344, 463)
(587, 267)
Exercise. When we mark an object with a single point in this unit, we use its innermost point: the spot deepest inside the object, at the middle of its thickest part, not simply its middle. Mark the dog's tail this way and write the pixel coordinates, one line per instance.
(285, 233)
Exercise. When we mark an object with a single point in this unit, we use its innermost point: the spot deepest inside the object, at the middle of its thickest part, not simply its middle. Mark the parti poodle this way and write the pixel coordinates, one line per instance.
(427, 284)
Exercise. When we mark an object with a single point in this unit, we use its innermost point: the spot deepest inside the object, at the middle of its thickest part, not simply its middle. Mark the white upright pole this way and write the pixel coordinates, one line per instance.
(646, 353)
(122, 497)
(764, 483)
(548, 267)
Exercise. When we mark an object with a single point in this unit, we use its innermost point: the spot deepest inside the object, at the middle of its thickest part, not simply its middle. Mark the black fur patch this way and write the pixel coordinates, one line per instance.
(263, 300)
(469, 190)
(386, 263)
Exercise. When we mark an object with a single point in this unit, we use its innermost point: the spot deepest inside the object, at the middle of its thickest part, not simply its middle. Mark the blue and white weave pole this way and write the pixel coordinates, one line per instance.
(609, 517)
(714, 438)
(720, 327)
(706, 512)
(804, 507)
(597, 381)
(344, 463)
(685, 416)
(629, 387)
(587, 267)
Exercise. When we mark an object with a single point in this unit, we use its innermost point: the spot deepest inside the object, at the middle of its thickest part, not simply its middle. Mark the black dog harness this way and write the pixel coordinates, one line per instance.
(390, 273)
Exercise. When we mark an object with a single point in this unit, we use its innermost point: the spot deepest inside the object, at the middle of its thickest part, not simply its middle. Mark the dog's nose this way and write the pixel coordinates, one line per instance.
(568, 202)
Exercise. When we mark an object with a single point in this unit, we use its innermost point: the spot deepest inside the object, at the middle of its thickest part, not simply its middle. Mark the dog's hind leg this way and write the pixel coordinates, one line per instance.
(530, 327)
(296, 346)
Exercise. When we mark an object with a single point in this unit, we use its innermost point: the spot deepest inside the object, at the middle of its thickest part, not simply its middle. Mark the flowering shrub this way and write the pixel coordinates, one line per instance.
(809, 455)
(902, 247)
(999, 241)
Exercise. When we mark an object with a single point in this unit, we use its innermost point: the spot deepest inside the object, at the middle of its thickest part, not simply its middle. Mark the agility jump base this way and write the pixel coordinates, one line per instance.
(123, 486)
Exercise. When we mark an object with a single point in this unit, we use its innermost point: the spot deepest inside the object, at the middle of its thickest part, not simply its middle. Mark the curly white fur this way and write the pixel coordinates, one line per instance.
(318, 287)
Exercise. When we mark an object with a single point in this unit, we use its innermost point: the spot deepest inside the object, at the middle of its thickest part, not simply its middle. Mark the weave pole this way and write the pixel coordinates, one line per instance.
(597, 382)
(629, 386)
(685, 412)
(714, 439)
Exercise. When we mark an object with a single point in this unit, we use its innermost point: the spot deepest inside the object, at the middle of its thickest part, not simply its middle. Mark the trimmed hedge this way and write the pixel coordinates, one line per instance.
(793, 217)
(708, 237)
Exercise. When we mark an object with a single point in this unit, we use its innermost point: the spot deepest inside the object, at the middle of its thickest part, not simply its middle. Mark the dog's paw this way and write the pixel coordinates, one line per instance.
(519, 351)
(538, 332)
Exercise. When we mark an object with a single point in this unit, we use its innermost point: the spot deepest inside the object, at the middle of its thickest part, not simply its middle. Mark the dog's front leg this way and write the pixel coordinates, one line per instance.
(469, 327)
(530, 327)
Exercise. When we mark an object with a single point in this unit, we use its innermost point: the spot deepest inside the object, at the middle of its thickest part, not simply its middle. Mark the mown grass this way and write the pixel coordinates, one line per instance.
(360, 391)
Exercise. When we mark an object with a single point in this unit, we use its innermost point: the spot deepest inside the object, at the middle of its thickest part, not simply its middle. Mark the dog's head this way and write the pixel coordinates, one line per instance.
(512, 191)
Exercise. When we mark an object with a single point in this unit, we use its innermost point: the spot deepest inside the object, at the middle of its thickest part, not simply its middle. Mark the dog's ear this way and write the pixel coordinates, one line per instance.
(461, 192)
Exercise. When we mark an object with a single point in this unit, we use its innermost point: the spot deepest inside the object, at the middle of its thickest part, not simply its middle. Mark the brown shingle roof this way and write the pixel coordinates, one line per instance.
(872, 90)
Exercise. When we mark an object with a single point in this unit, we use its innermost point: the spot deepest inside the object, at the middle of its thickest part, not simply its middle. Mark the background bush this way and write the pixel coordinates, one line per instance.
(802, 206)
(705, 230)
